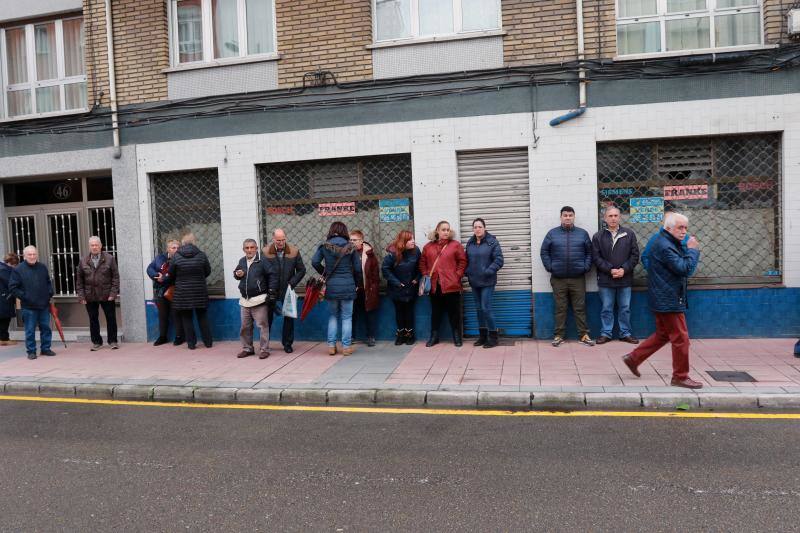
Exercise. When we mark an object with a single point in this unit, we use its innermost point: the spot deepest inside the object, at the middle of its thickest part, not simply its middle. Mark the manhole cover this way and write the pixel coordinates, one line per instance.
(727, 375)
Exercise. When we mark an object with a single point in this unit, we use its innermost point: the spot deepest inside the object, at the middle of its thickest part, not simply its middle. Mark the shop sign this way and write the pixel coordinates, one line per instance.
(394, 210)
(337, 209)
(745, 186)
(626, 191)
(647, 209)
(686, 192)
(289, 210)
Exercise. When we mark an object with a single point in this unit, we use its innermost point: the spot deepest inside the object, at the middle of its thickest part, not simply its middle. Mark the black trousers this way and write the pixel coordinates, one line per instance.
(449, 303)
(165, 315)
(4, 323)
(360, 313)
(188, 325)
(110, 312)
(287, 333)
(404, 314)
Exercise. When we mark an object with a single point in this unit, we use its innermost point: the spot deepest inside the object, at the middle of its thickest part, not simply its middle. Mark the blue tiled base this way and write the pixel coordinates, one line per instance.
(724, 313)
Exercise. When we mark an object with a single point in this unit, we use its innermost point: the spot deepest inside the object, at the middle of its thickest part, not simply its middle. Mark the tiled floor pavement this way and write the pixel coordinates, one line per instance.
(525, 365)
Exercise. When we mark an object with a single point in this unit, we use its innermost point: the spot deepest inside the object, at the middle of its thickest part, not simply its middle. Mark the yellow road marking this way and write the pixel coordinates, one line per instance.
(417, 411)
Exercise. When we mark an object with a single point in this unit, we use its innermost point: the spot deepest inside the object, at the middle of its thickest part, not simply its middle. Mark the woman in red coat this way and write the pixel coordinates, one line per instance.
(444, 260)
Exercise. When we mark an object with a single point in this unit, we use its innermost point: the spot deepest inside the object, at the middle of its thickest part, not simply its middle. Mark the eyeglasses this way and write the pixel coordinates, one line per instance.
(355, 240)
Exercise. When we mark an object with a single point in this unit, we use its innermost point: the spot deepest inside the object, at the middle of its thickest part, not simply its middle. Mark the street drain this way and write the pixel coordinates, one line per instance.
(731, 376)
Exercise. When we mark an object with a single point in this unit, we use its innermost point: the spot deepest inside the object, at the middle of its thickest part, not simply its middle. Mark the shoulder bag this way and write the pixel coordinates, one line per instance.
(425, 281)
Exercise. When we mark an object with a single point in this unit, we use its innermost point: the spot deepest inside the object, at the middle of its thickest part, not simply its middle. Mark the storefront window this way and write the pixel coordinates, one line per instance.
(371, 194)
(729, 187)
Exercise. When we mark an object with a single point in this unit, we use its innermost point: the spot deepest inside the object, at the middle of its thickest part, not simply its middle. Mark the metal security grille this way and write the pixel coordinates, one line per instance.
(22, 231)
(729, 187)
(188, 202)
(101, 224)
(64, 251)
(304, 198)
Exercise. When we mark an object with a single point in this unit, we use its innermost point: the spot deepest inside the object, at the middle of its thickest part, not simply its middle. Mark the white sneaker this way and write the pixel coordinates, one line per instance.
(95, 347)
(557, 341)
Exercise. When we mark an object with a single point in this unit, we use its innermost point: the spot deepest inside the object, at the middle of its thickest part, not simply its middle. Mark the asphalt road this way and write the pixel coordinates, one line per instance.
(78, 467)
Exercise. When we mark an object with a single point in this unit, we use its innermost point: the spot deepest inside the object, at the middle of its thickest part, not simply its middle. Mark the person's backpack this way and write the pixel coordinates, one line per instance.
(797, 349)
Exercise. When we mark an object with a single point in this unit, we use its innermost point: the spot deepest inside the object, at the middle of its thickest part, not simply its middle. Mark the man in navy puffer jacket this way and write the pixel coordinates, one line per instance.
(670, 265)
(30, 283)
(567, 254)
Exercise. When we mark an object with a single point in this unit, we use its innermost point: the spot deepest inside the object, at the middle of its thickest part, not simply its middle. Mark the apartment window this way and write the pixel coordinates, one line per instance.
(43, 69)
(211, 30)
(656, 26)
(409, 19)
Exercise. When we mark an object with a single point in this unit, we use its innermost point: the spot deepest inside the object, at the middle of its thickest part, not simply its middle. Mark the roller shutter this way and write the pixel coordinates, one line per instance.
(494, 185)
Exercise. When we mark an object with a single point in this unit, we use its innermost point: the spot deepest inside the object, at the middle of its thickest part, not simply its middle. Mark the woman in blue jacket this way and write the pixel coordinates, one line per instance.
(337, 261)
(401, 272)
(484, 259)
(161, 282)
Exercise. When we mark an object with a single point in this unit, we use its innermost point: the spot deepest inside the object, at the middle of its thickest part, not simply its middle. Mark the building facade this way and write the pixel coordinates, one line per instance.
(229, 119)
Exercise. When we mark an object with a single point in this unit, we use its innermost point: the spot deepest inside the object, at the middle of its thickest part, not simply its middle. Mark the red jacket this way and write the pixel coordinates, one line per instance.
(372, 276)
(450, 268)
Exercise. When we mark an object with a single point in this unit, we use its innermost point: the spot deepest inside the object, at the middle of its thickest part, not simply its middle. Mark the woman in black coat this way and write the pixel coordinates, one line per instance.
(401, 272)
(7, 301)
(189, 270)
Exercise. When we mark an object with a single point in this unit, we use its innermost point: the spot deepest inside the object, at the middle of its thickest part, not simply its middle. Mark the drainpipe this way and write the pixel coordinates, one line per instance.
(112, 82)
(581, 72)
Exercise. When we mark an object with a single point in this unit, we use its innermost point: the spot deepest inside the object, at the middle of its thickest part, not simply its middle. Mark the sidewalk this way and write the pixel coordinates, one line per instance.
(525, 374)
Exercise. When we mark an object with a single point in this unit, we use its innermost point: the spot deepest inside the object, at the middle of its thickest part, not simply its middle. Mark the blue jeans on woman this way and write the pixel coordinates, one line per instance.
(340, 310)
(483, 302)
(622, 297)
(33, 318)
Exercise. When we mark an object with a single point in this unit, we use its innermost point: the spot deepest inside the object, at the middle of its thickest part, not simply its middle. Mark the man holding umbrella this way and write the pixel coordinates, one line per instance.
(288, 264)
(30, 283)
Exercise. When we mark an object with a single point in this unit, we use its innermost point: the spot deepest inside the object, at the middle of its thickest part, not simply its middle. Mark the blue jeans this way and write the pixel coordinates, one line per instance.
(32, 318)
(622, 297)
(340, 310)
(483, 303)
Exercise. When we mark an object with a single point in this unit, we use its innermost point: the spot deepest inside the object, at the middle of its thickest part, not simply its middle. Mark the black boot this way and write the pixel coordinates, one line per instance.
(433, 340)
(410, 337)
(481, 337)
(457, 337)
(401, 338)
(492, 341)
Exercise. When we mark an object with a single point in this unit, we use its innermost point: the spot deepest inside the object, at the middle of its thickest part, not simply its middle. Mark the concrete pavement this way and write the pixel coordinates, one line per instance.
(526, 374)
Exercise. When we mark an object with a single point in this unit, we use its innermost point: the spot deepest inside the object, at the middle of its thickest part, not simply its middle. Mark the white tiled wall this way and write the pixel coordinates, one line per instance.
(562, 163)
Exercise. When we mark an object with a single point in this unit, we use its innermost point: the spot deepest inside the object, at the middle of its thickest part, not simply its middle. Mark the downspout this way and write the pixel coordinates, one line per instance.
(581, 72)
(112, 82)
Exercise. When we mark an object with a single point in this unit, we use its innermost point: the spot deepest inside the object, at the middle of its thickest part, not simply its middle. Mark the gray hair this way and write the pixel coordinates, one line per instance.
(672, 218)
(276, 230)
(611, 208)
(249, 241)
(95, 238)
(29, 247)
(189, 238)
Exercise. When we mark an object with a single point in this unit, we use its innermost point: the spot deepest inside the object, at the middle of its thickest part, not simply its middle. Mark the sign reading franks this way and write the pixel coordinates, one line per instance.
(686, 192)
(394, 210)
(337, 209)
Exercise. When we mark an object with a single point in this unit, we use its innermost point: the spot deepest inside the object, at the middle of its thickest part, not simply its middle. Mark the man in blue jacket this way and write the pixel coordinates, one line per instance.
(615, 253)
(258, 285)
(670, 265)
(30, 283)
(567, 254)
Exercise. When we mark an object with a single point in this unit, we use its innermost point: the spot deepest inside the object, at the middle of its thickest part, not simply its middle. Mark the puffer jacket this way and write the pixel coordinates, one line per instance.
(97, 284)
(259, 279)
(668, 274)
(7, 300)
(341, 282)
(567, 253)
(607, 255)
(189, 269)
(289, 268)
(154, 269)
(370, 281)
(483, 261)
(450, 268)
(400, 276)
(32, 285)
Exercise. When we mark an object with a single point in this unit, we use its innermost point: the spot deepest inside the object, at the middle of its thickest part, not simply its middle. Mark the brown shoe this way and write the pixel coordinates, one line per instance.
(687, 383)
(331, 350)
(628, 360)
(602, 339)
(630, 339)
(244, 353)
(263, 355)
(348, 351)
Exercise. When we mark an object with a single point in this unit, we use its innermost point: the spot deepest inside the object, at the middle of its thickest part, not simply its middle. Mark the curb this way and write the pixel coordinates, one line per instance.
(512, 400)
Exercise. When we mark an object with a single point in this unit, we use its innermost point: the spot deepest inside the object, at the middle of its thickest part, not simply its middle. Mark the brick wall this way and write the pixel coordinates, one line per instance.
(322, 34)
(539, 31)
(141, 50)
(775, 21)
(599, 28)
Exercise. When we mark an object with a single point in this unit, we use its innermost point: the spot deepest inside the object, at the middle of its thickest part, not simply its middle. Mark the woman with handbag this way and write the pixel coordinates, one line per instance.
(339, 265)
(401, 271)
(163, 288)
(7, 300)
(485, 258)
(442, 264)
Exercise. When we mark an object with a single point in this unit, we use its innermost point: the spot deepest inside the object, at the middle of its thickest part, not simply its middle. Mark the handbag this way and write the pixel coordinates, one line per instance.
(425, 281)
(169, 292)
